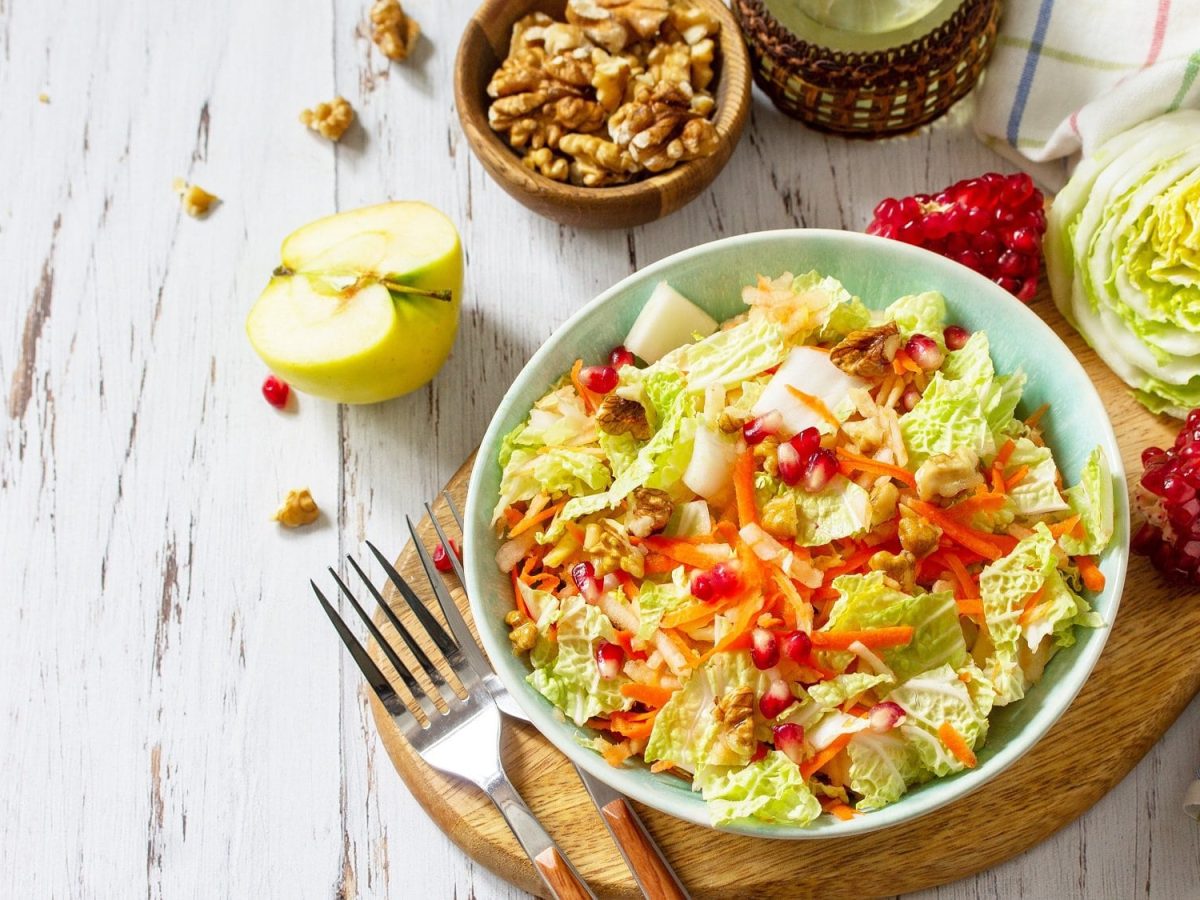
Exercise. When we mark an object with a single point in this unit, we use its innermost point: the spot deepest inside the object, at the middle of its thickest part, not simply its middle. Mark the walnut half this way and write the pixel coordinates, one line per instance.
(649, 511)
(393, 32)
(947, 475)
(617, 415)
(867, 353)
(298, 508)
(734, 712)
(330, 120)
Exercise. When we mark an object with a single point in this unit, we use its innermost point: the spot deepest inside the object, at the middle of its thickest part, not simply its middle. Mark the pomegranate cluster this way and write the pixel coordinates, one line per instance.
(1170, 500)
(992, 224)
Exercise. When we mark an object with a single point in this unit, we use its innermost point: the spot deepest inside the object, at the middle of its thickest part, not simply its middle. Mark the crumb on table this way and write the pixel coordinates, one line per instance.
(197, 202)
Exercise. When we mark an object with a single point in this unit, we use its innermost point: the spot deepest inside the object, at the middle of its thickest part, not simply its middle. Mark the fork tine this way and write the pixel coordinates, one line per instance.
(453, 509)
(379, 683)
(414, 687)
(450, 554)
(422, 659)
(435, 580)
(444, 642)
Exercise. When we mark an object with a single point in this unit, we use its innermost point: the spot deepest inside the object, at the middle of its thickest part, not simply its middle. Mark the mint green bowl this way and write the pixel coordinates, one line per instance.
(878, 271)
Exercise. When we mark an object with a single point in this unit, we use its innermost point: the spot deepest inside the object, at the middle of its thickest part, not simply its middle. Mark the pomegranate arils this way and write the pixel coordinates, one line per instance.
(759, 429)
(885, 716)
(609, 659)
(789, 740)
(702, 587)
(584, 577)
(992, 224)
(764, 648)
(789, 464)
(807, 442)
(910, 398)
(275, 391)
(797, 646)
(599, 379)
(956, 337)
(1169, 499)
(822, 467)
(619, 356)
(441, 559)
(925, 352)
(760, 752)
(775, 700)
(725, 579)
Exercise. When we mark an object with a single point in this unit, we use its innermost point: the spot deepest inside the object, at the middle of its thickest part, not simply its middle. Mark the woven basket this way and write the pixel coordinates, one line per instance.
(872, 94)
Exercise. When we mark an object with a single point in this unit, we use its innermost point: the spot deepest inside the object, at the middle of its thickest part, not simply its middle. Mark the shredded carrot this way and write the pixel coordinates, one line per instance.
(520, 601)
(1016, 478)
(632, 725)
(1031, 603)
(873, 638)
(985, 500)
(585, 395)
(692, 614)
(747, 612)
(743, 487)
(1006, 451)
(876, 467)
(512, 515)
(979, 542)
(657, 564)
(957, 745)
(616, 754)
(625, 639)
(816, 404)
(661, 765)
(529, 521)
(810, 767)
(970, 607)
(965, 676)
(852, 563)
(683, 647)
(841, 810)
(902, 363)
(997, 480)
(1036, 415)
(1093, 578)
(680, 551)
(650, 694)
(575, 531)
(969, 588)
(1066, 526)
(627, 585)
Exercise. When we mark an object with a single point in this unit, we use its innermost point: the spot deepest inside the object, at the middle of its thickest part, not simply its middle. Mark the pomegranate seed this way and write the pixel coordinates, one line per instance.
(275, 391)
(599, 379)
(992, 224)
(584, 577)
(1171, 502)
(1152, 455)
(759, 429)
(885, 716)
(789, 740)
(725, 579)
(619, 356)
(789, 464)
(956, 337)
(797, 646)
(609, 659)
(760, 752)
(441, 559)
(822, 467)
(807, 442)
(1145, 539)
(702, 587)
(924, 352)
(776, 699)
(910, 398)
(764, 648)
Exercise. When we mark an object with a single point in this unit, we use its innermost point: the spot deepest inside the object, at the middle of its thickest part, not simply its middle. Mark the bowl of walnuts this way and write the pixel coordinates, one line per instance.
(602, 113)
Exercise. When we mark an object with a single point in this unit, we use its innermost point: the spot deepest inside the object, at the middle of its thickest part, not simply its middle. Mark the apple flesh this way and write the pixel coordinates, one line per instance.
(365, 304)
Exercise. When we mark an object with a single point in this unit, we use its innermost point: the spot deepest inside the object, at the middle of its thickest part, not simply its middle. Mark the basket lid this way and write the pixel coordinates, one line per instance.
(861, 26)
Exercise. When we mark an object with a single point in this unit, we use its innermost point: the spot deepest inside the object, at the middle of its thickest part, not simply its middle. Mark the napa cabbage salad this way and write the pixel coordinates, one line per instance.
(797, 558)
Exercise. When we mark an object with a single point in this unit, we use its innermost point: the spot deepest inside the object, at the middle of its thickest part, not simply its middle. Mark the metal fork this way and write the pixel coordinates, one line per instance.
(463, 741)
(650, 868)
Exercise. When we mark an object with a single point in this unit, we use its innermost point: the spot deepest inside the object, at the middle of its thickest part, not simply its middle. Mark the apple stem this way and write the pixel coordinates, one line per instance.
(398, 288)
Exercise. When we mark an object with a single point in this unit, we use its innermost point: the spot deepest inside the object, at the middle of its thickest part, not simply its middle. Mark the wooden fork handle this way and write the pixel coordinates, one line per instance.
(642, 855)
(560, 877)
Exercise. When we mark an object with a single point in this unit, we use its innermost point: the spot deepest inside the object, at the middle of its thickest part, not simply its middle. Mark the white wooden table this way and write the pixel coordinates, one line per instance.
(177, 717)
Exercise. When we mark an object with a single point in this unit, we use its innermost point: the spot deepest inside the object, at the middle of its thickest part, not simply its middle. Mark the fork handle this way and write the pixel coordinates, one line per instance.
(654, 876)
(558, 874)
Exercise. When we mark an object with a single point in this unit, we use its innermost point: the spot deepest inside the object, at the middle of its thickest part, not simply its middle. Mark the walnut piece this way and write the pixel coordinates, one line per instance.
(298, 508)
(596, 162)
(614, 24)
(918, 537)
(609, 544)
(393, 32)
(523, 633)
(692, 22)
(660, 129)
(610, 78)
(197, 202)
(649, 511)
(544, 161)
(867, 353)
(618, 415)
(883, 499)
(734, 712)
(331, 119)
(899, 567)
(767, 452)
(947, 475)
(780, 518)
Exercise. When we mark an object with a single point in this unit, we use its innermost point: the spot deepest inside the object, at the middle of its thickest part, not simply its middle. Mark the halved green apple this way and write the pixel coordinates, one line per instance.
(365, 305)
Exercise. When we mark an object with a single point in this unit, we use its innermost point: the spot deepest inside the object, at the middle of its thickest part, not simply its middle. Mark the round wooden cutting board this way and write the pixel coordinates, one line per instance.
(1115, 720)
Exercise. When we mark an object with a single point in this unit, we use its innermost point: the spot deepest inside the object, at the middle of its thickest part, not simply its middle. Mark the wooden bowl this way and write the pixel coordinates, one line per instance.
(484, 46)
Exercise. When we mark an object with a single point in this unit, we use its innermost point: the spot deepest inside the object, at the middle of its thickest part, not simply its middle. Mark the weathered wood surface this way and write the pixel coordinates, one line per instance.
(178, 718)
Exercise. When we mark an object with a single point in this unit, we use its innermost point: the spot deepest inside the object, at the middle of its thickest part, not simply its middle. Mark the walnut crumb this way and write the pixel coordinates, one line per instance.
(43, 97)
(393, 32)
(331, 119)
(197, 202)
(298, 508)
(523, 632)
(867, 353)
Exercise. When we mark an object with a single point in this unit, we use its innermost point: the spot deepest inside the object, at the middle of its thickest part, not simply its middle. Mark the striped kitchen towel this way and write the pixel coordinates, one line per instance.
(1066, 75)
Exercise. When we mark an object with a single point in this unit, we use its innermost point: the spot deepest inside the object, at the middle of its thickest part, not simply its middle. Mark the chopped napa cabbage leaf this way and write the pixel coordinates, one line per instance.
(559, 470)
(972, 362)
(882, 766)
(949, 415)
(919, 314)
(998, 395)
(841, 509)
(835, 310)
(770, 790)
(1037, 493)
(690, 520)
(939, 697)
(620, 450)
(727, 357)
(656, 600)
(685, 730)
(564, 668)
(1057, 613)
(837, 690)
(1092, 501)
(661, 388)
(866, 602)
